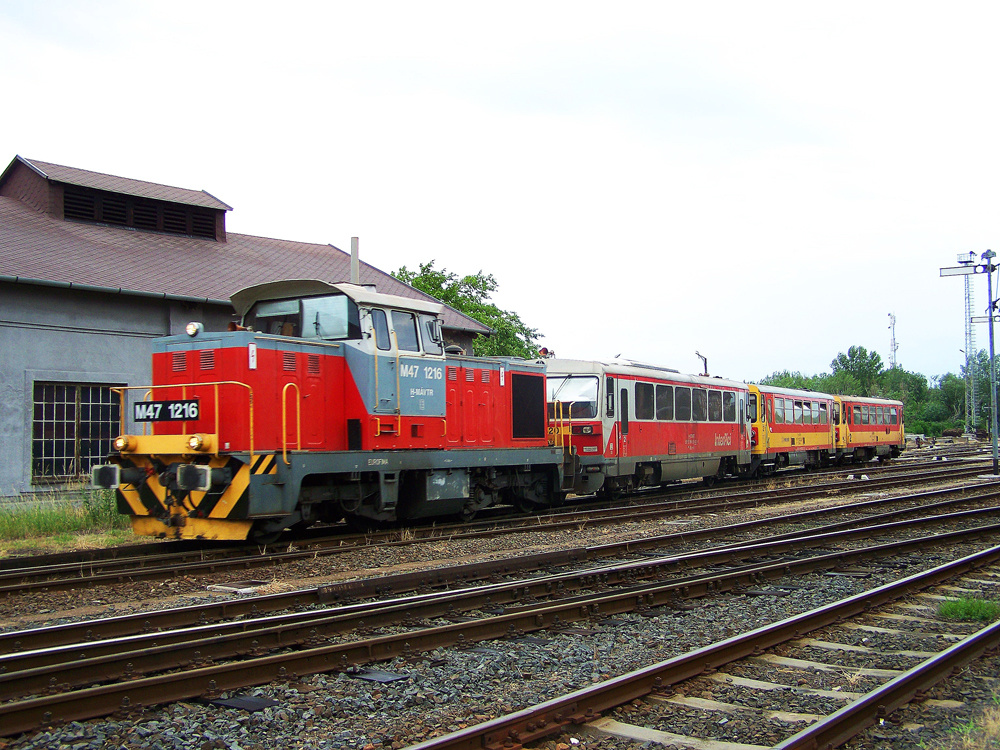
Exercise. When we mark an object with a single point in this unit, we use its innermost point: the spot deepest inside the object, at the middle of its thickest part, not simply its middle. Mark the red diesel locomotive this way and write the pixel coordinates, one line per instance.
(330, 401)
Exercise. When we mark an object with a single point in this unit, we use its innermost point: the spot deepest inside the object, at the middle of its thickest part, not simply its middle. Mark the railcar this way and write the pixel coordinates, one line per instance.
(329, 401)
(791, 427)
(630, 425)
(869, 428)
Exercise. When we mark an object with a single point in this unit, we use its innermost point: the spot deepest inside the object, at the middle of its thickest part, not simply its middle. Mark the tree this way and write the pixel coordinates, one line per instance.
(471, 295)
(865, 367)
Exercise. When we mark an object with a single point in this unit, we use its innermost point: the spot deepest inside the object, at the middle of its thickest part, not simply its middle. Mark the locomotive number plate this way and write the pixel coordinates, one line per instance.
(165, 411)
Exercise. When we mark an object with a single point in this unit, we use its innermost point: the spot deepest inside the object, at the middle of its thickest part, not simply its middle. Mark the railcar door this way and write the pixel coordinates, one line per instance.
(623, 429)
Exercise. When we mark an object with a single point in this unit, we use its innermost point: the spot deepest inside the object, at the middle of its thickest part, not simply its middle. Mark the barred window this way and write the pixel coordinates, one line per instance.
(72, 428)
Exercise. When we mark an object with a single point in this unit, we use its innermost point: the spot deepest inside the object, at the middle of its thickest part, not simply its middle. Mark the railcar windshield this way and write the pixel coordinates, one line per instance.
(330, 318)
(576, 393)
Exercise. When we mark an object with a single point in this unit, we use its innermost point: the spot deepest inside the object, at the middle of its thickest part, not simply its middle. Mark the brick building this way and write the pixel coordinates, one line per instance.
(92, 266)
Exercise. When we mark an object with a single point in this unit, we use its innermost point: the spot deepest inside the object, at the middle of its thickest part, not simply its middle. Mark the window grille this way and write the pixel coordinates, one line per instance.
(72, 429)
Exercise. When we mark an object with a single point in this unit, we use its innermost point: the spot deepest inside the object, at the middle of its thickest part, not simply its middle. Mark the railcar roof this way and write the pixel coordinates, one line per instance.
(634, 369)
(244, 299)
(793, 392)
(870, 400)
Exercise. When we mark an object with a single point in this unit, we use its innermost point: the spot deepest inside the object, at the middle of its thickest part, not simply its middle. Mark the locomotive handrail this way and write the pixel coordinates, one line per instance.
(561, 421)
(284, 421)
(120, 390)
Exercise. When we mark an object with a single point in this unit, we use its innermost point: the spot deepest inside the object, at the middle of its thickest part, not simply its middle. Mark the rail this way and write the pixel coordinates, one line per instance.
(284, 420)
(120, 390)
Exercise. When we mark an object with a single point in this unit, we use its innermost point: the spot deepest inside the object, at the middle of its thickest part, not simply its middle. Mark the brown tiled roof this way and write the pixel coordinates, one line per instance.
(112, 184)
(34, 246)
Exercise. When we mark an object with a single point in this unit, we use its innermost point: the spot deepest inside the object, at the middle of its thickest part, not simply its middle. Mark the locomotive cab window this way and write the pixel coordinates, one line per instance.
(405, 326)
(430, 331)
(381, 326)
(330, 318)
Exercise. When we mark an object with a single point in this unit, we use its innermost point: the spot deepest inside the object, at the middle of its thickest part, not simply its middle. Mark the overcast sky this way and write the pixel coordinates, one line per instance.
(761, 182)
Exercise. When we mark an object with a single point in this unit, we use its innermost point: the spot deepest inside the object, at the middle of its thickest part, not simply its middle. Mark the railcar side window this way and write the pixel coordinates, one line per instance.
(715, 406)
(381, 326)
(806, 412)
(864, 415)
(699, 405)
(405, 327)
(856, 413)
(779, 411)
(644, 407)
(664, 402)
(893, 415)
(682, 401)
(729, 406)
(822, 414)
(836, 413)
(798, 412)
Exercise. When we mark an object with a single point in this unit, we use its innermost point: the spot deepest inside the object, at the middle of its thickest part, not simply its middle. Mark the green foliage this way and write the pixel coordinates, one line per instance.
(864, 366)
(970, 609)
(471, 295)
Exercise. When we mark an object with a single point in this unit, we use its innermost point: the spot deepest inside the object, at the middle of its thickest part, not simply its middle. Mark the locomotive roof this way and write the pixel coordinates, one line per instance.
(634, 369)
(244, 299)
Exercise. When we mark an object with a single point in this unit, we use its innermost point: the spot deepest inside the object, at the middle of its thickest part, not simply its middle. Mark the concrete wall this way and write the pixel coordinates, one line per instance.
(58, 335)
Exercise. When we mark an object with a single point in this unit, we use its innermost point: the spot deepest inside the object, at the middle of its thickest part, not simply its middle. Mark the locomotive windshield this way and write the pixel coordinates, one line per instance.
(577, 393)
(330, 318)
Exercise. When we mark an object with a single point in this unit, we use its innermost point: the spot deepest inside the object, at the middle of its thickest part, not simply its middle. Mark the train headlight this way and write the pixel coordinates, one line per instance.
(123, 443)
(194, 328)
(197, 443)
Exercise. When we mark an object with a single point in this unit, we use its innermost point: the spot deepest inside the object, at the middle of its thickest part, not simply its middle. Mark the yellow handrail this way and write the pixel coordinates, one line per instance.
(284, 421)
(120, 390)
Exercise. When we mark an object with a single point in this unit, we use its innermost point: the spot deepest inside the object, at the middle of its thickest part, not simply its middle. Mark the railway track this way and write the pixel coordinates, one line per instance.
(657, 694)
(322, 643)
(809, 524)
(153, 562)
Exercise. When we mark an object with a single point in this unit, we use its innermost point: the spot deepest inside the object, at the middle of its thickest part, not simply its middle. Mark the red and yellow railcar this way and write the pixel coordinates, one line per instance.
(869, 428)
(791, 427)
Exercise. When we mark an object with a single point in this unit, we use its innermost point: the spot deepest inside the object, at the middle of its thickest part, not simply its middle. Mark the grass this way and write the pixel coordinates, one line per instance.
(970, 609)
(980, 733)
(58, 522)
